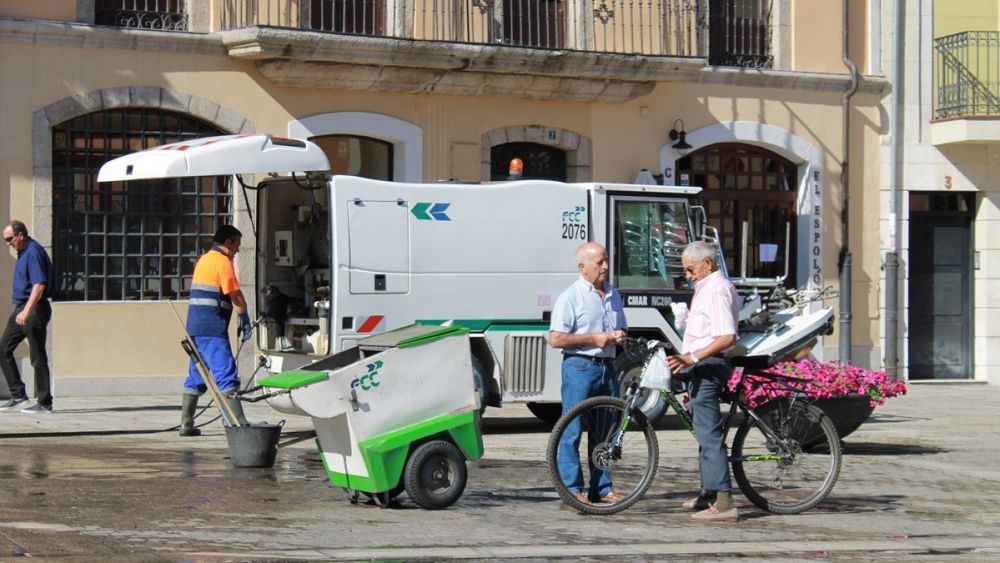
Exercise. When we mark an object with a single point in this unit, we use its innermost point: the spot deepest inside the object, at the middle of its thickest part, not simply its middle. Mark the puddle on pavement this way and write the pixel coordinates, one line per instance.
(68, 462)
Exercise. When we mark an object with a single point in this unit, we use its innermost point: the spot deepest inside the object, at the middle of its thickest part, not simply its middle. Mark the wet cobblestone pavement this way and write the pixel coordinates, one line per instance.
(88, 483)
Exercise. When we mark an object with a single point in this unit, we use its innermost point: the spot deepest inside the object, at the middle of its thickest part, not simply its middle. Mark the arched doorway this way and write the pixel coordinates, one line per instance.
(747, 183)
(541, 162)
(357, 155)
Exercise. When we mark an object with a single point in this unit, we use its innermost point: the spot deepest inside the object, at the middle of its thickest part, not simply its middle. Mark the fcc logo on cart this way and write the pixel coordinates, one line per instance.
(367, 381)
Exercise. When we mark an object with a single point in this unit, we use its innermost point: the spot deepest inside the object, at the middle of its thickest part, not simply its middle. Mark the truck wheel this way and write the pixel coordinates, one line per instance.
(435, 475)
(479, 382)
(546, 412)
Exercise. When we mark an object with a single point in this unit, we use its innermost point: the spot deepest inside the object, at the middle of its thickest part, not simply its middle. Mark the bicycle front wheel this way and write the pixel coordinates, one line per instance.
(792, 464)
(619, 453)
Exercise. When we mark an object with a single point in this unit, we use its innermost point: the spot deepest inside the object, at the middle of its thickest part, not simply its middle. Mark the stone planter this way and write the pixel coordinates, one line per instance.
(847, 412)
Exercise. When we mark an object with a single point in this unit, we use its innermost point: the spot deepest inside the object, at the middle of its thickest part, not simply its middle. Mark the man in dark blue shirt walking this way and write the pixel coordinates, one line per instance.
(30, 319)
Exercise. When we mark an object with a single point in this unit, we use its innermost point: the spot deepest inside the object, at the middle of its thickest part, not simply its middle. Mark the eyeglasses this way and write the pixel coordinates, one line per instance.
(8, 239)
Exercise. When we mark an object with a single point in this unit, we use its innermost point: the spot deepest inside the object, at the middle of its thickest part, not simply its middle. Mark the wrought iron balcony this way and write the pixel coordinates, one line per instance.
(966, 74)
(671, 28)
(163, 15)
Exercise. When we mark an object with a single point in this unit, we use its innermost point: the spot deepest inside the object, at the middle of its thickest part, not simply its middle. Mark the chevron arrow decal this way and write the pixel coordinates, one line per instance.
(420, 211)
(438, 211)
(375, 366)
(426, 211)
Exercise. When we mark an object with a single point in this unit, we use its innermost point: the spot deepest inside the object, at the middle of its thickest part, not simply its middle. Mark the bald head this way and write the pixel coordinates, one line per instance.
(590, 252)
(592, 261)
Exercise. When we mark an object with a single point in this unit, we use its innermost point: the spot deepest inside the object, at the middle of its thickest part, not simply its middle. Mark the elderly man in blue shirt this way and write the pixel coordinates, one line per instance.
(588, 320)
(29, 320)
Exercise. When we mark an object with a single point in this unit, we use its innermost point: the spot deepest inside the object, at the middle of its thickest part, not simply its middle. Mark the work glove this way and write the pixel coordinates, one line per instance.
(244, 329)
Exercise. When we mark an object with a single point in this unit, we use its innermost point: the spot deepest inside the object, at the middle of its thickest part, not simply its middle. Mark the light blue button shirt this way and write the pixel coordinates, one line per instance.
(580, 310)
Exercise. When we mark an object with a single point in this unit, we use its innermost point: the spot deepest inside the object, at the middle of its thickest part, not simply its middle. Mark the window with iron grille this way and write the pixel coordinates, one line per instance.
(164, 15)
(134, 240)
(535, 23)
(362, 17)
(541, 162)
(739, 33)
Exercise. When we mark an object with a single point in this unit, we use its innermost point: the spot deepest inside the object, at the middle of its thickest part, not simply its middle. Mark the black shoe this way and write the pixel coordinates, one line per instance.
(12, 402)
(38, 409)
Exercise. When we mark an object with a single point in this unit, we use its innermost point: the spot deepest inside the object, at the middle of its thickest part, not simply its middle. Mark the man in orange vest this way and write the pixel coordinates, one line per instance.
(215, 294)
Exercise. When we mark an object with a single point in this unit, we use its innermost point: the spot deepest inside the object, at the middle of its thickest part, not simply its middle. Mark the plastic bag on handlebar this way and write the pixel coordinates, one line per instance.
(656, 374)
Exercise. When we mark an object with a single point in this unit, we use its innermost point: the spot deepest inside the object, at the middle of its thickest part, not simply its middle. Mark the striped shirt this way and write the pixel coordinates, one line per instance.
(211, 305)
(715, 312)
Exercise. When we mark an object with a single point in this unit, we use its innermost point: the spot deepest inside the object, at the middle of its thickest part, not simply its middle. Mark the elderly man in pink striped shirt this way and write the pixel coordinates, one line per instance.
(709, 334)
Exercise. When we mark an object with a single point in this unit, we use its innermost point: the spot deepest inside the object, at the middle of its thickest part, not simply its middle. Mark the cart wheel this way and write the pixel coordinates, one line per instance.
(435, 475)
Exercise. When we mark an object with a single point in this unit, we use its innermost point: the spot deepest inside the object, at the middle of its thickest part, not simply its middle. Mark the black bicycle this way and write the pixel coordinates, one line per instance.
(785, 454)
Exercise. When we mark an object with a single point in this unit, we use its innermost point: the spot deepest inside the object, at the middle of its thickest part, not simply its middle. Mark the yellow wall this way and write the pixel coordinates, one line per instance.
(817, 35)
(951, 16)
(140, 339)
(57, 10)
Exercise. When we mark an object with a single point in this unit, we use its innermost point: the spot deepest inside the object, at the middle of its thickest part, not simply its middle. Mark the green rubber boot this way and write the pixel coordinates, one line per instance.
(236, 406)
(189, 404)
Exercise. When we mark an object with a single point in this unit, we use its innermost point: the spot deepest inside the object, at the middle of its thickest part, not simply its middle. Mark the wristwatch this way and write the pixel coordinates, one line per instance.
(694, 357)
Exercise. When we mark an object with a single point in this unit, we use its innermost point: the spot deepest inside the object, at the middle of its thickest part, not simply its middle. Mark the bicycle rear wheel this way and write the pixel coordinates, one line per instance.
(780, 475)
(625, 460)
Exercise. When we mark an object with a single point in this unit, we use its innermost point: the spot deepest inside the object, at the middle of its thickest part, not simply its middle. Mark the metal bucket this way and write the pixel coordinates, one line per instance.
(253, 446)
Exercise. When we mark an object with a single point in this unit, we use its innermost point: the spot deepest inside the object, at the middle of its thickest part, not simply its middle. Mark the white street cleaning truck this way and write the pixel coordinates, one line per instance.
(341, 258)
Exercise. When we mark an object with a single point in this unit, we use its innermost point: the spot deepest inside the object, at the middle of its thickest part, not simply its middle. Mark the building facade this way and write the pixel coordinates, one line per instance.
(944, 217)
(409, 90)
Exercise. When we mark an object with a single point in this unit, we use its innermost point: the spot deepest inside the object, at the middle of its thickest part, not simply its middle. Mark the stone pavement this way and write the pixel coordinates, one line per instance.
(95, 481)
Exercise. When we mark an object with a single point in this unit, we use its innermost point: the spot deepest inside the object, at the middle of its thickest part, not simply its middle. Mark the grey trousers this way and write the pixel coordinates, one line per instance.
(706, 381)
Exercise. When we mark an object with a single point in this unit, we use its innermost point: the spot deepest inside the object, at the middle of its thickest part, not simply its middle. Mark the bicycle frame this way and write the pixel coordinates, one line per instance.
(736, 405)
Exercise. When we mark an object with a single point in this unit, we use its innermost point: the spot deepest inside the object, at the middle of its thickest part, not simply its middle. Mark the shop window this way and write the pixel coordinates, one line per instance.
(134, 240)
(747, 183)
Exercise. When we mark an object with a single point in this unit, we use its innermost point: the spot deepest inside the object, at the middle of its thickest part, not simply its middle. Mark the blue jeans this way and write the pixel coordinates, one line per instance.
(705, 383)
(218, 356)
(582, 379)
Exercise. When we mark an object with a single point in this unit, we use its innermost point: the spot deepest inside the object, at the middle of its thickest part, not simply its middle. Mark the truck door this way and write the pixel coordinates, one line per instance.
(379, 246)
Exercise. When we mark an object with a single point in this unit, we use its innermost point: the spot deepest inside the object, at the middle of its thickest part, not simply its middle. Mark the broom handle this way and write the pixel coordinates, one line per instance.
(206, 374)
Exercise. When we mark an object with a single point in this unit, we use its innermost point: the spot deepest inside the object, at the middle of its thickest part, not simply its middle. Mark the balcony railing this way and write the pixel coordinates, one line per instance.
(966, 75)
(165, 15)
(648, 27)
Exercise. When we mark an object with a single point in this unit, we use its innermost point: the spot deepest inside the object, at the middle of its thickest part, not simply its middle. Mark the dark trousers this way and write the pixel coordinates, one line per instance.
(35, 331)
(706, 381)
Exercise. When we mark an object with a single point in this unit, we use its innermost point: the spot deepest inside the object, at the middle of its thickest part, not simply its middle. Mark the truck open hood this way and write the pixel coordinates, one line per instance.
(217, 156)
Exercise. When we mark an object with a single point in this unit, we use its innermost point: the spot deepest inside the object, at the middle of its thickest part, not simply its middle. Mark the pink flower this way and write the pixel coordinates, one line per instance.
(817, 380)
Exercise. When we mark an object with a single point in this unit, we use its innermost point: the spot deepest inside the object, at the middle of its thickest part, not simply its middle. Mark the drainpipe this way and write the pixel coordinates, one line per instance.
(845, 249)
(892, 254)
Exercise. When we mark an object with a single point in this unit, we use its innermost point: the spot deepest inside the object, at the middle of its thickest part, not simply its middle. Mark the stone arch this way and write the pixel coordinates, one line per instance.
(406, 138)
(809, 195)
(113, 98)
(578, 148)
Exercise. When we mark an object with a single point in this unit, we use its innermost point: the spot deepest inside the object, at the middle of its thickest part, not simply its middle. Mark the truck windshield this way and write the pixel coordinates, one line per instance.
(649, 239)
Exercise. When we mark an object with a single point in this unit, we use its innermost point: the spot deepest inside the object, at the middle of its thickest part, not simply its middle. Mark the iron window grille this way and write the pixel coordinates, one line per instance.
(739, 33)
(541, 162)
(134, 240)
(164, 15)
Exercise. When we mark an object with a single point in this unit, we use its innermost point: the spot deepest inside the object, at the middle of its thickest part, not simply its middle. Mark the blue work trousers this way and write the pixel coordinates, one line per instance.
(582, 379)
(218, 356)
(705, 383)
